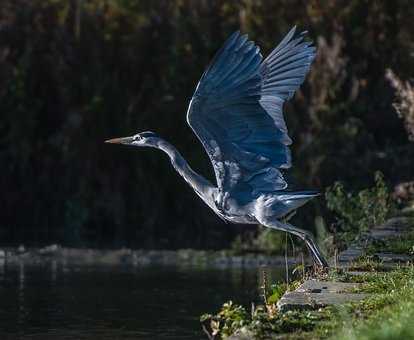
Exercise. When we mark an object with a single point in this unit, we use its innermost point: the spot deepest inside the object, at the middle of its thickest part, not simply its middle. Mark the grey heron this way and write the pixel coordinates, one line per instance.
(237, 114)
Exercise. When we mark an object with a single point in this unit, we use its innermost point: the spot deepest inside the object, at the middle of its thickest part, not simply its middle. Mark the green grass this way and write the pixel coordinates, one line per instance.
(390, 322)
(387, 314)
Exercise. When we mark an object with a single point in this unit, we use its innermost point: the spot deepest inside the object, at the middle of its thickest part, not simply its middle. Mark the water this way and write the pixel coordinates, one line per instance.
(52, 301)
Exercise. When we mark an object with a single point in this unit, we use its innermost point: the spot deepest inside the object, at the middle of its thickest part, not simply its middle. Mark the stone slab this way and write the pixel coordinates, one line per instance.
(316, 286)
(351, 254)
(392, 228)
(394, 258)
(358, 273)
(313, 294)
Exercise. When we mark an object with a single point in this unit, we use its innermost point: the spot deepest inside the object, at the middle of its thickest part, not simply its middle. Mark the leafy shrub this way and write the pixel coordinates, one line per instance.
(276, 292)
(357, 212)
(230, 318)
(261, 322)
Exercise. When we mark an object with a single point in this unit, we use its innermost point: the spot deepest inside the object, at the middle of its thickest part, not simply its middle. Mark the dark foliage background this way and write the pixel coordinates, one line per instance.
(73, 73)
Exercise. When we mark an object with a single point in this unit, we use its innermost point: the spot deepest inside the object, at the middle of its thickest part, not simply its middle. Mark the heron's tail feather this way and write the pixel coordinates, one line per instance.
(295, 199)
(298, 195)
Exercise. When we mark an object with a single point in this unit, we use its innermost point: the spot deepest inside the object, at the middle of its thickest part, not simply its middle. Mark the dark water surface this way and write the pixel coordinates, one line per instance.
(53, 301)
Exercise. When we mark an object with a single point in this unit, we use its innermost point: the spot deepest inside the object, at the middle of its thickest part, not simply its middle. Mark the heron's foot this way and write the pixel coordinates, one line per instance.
(320, 261)
(317, 271)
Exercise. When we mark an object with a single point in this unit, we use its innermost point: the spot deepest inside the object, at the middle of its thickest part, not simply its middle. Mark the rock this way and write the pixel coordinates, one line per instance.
(242, 334)
(404, 192)
(49, 250)
(2, 254)
(21, 249)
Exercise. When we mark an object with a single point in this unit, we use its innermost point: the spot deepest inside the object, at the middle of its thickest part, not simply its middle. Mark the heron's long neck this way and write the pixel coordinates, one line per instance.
(201, 185)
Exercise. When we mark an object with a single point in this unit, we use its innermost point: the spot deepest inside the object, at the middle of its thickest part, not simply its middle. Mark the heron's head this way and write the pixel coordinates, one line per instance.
(146, 138)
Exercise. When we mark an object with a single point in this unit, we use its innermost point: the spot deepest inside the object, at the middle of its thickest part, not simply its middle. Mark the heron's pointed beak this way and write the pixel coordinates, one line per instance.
(123, 140)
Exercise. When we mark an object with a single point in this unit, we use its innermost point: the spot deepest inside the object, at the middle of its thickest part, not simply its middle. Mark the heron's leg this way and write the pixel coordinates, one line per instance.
(313, 246)
(289, 216)
(302, 234)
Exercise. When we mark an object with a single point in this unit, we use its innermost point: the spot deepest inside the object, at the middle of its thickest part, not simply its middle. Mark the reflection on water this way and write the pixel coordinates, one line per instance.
(63, 302)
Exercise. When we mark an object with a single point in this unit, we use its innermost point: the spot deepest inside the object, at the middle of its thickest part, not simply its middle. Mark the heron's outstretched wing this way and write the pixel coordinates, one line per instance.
(236, 111)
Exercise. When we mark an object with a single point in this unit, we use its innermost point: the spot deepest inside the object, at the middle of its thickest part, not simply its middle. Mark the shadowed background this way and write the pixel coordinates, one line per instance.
(74, 73)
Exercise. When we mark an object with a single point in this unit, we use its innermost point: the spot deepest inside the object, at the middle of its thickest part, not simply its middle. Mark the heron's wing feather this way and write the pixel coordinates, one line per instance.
(236, 111)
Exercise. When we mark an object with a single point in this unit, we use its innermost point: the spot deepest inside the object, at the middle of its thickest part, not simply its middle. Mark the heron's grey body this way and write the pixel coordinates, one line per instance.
(236, 112)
